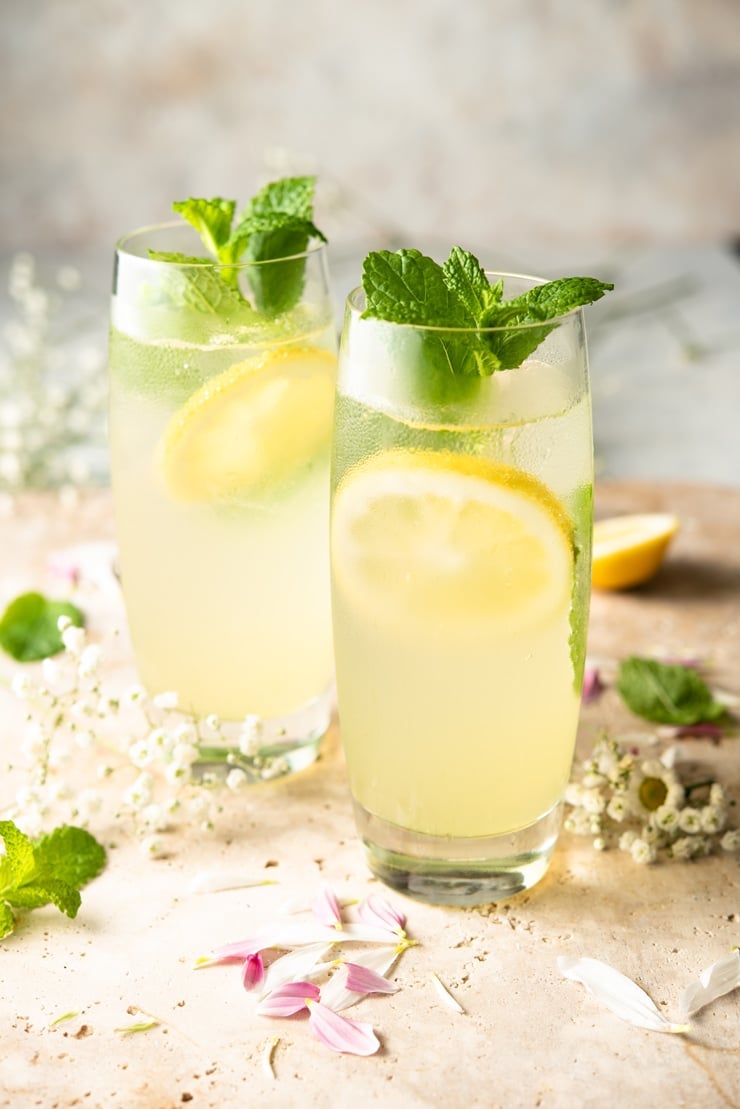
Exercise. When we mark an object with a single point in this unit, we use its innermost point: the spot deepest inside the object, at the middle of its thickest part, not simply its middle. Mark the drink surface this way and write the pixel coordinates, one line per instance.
(461, 555)
(220, 461)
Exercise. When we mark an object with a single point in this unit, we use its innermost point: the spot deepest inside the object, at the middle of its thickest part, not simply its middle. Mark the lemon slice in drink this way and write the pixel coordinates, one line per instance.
(628, 550)
(446, 540)
(252, 426)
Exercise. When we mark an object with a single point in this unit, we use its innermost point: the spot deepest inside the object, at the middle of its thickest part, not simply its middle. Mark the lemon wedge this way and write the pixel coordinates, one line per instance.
(441, 538)
(253, 425)
(628, 550)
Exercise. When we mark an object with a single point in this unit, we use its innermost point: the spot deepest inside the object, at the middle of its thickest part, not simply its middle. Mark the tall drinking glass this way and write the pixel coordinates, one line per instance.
(461, 548)
(220, 430)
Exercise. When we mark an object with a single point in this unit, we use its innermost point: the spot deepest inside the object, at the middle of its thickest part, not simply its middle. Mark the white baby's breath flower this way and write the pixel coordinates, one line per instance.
(593, 801)
(89, 661)
(236, 779)
(592, 779)
(177, 773)
(184, 755)
(642, 852)
(617, 808)
(73, 639)
(134, 695)
(717, 795)
(154, 817)
(212, 721)
(51, 671)
(140, 753)
(88, 802)
(685, 847)
(21, 685)
(599, 844)
(153, 847)
(184, 733)
(731, 840)
(139, 794)
(713, 819)
(689, 820)
(666, 818)
(84, 738)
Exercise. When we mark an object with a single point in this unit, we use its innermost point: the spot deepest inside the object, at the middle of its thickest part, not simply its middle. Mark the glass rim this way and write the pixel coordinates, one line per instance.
(354, 296)
(122, 248)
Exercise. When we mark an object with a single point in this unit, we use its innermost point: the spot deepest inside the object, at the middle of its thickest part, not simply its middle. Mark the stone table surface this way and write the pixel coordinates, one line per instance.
(526, 1037)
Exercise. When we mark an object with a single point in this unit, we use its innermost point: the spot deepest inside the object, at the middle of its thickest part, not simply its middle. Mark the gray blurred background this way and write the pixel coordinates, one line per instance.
(548, 135)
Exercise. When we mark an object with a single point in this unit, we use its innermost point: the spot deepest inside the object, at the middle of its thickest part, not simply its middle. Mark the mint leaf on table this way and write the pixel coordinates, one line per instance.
(408, 287)
(666, 694)
(48, 871)
(276, 225)
(29, 626)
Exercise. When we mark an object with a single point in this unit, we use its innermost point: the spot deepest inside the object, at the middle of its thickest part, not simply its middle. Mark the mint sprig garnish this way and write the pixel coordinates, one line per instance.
(667, 694)
(29, 628)
(47, 871)
(408, 287)
(276, 226)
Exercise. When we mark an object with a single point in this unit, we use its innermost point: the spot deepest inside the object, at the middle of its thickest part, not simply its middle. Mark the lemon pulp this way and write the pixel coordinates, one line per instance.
(629, 550)
(255, 425)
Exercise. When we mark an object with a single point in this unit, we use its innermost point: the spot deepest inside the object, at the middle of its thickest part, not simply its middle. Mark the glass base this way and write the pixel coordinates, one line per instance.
(445, 871)
(277, 747)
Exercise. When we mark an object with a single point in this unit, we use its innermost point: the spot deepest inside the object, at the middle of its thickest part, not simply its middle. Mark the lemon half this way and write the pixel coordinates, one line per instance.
(628, 550)
(253, 425)
(442, 537)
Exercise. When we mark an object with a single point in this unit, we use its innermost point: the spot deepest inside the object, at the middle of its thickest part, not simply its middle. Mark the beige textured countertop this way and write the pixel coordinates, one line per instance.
(527, 1037)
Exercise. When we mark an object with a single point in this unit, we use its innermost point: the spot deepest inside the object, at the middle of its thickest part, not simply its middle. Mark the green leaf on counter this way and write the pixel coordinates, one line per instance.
(666, 694)
(48, 871)
(28, 628)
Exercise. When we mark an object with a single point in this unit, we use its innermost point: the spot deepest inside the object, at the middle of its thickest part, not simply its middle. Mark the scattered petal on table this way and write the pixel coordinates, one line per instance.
(351, 1037)
(288, 999)
(379, 912)
(295, 965)
(327, 909)
(445, 995)
(212, 881)
(619, 993)
(253, 972)
(713, 982)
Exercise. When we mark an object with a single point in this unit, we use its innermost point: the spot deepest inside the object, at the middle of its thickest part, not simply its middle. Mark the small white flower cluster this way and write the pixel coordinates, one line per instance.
(643, 807)
(52, 387)
(166, 763)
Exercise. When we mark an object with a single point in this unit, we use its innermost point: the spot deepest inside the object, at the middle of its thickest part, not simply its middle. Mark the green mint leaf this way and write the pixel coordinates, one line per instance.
(465, 278)
(555, 298)
(18, 863)
(276, 225)
(666, 694)
(70, 854)
(48, 871)
(212, 220)
(50, 891)
(197, 286)
(407, 287)
(7, 920)
(28, 628)
(291, 195)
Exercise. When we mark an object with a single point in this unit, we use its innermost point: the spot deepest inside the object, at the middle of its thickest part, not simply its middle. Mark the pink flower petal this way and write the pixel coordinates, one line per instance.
(288, 999)
(351, 1037)
(253, 972)
(593, 686)
(376, 910)
(699, 731)
(298, 965)
(364, 980)
(335, 993)
(327, 909)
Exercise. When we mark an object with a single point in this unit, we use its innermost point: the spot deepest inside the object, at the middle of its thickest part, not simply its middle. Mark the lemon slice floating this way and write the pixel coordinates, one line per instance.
(253, 425)
(628, 550)
(440, 537)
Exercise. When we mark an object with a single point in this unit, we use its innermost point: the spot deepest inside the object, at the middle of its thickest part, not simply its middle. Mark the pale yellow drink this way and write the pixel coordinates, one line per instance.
(220, 448)
(460, 548)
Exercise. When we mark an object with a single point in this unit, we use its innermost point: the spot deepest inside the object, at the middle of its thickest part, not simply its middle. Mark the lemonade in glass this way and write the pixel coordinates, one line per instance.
(221, 392)
(461, 531)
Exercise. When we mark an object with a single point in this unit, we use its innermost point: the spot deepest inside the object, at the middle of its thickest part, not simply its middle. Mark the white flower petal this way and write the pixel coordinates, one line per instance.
(293, 967)
(619, 993)
(713, 982)
(445, 995)
(211, 881)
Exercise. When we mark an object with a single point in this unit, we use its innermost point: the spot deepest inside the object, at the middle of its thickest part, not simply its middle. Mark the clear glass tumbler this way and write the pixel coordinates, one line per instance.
(220, 431)
(461, 552)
